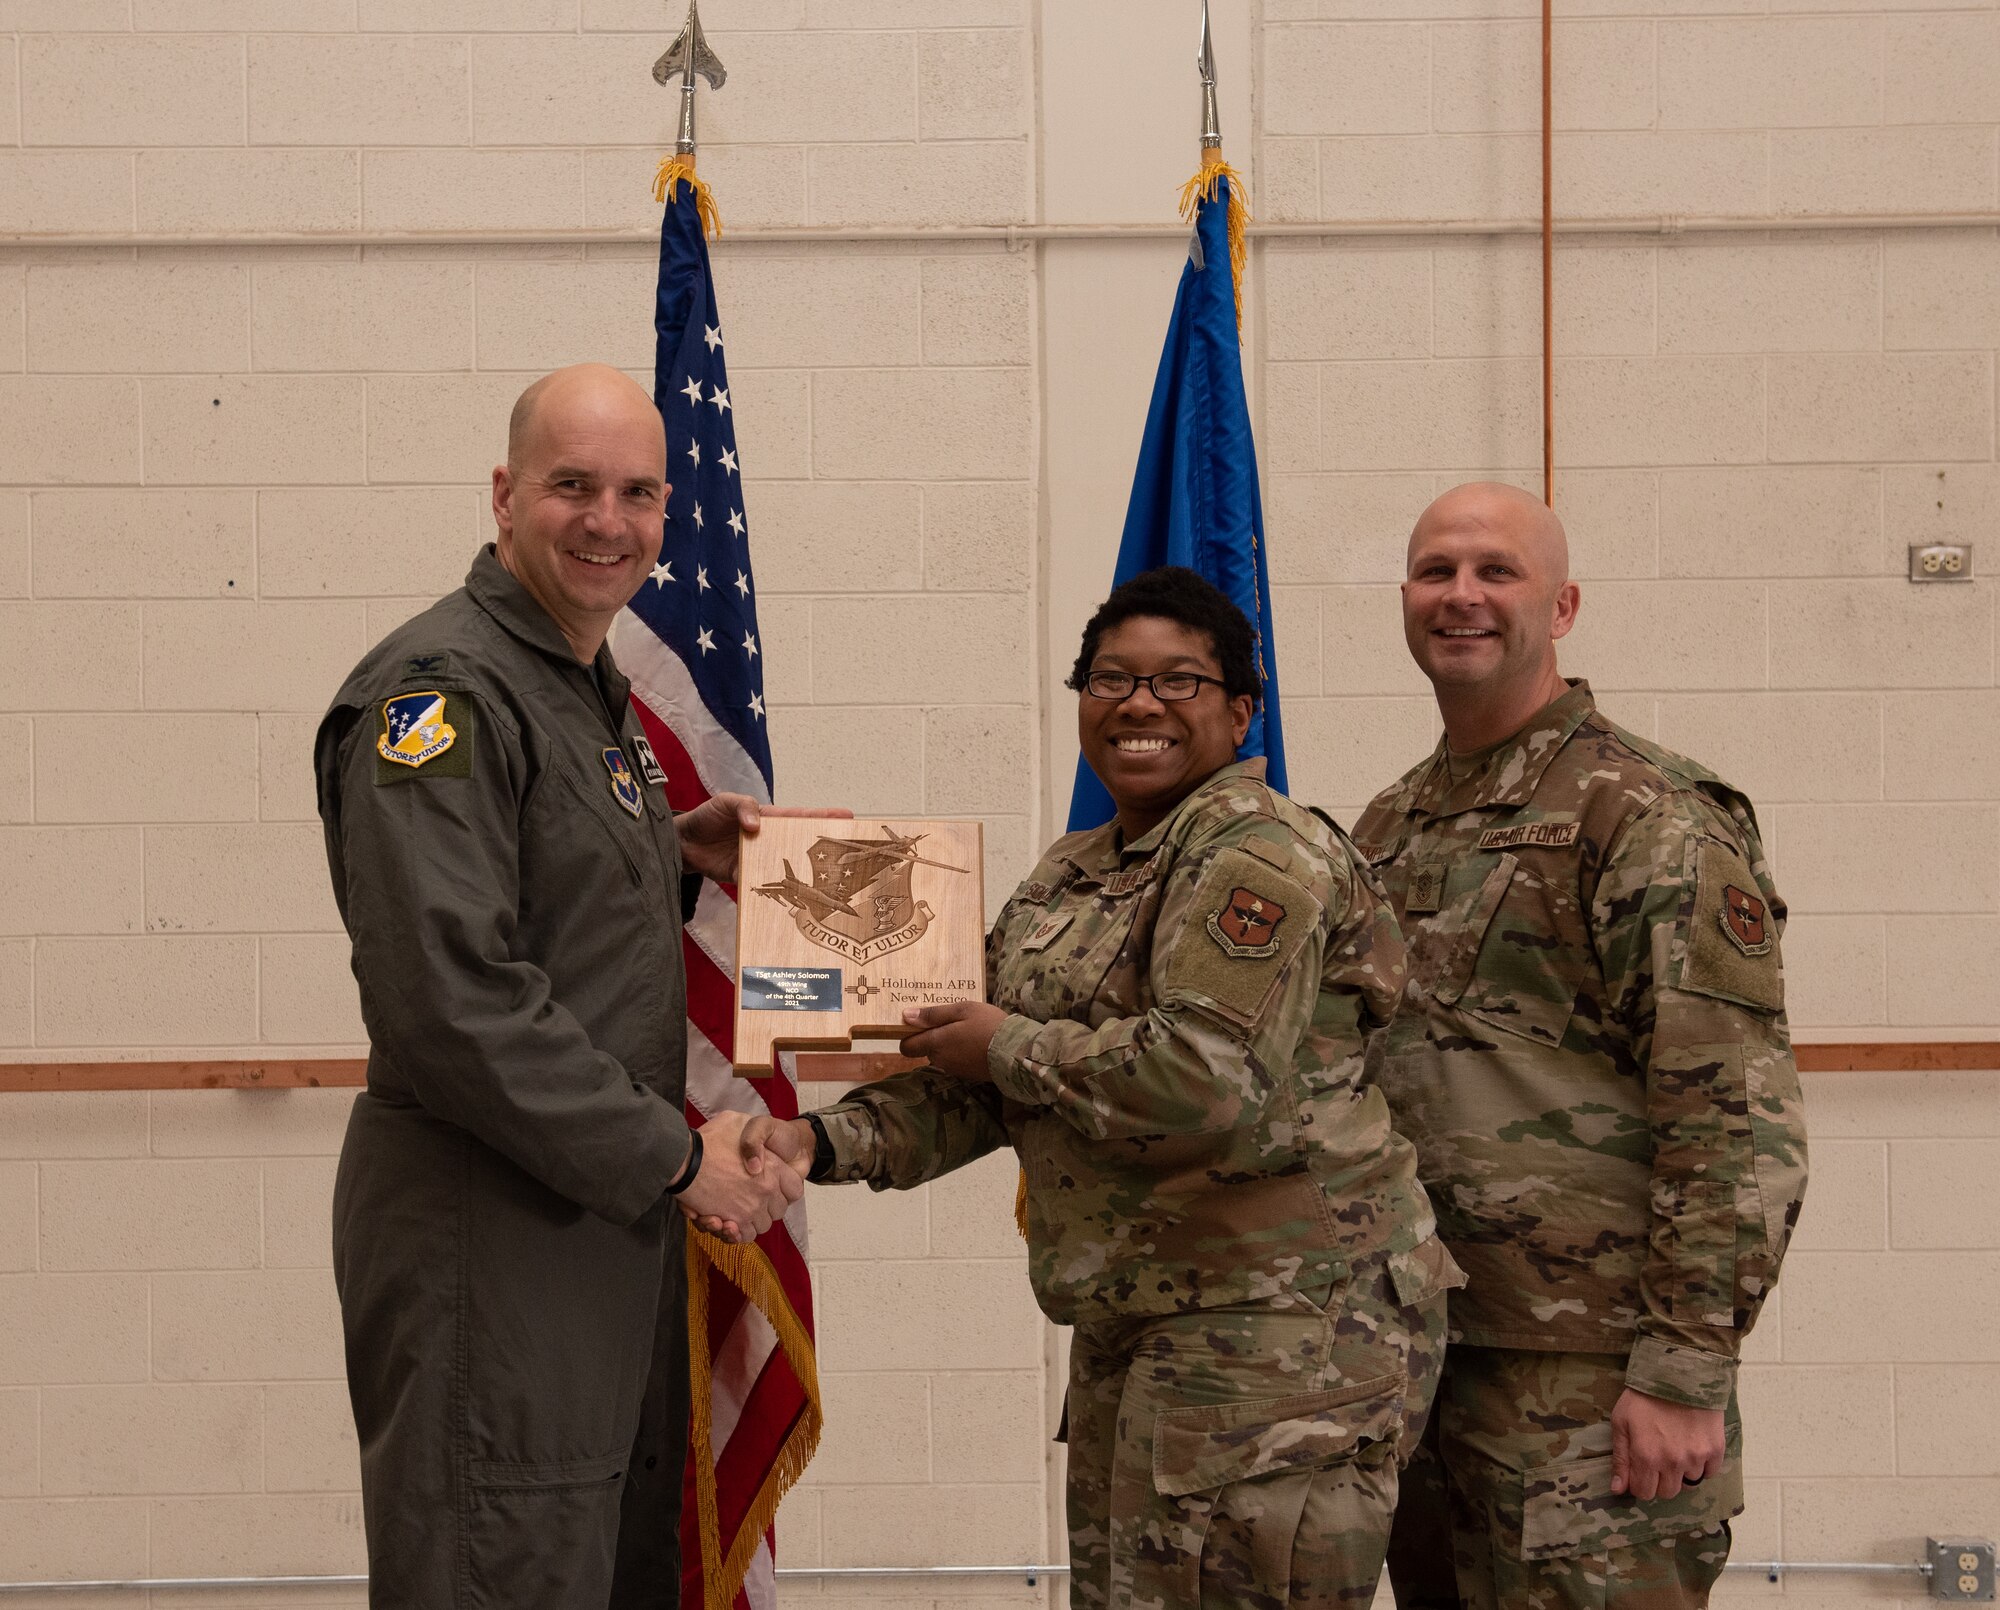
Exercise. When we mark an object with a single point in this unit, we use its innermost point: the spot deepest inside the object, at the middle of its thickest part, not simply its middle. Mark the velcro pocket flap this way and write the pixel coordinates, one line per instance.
(1425, 1271)
(1569, 1509)
(1246, 921)
(1204, 1447)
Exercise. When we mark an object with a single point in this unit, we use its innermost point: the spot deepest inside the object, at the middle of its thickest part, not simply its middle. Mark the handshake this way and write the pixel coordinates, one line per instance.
(752, 1170)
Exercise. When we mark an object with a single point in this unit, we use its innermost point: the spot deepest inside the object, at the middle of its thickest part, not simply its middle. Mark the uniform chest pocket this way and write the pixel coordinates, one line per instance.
(1514, 959)
(573, 800)
(1078, 974)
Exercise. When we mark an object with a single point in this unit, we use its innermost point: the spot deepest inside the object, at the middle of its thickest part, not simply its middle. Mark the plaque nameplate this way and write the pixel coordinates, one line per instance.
(790, 989)
(843, 925)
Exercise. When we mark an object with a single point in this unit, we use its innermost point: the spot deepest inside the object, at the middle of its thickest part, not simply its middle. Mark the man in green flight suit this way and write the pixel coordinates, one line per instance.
(506, 1245)
(1591, 1057)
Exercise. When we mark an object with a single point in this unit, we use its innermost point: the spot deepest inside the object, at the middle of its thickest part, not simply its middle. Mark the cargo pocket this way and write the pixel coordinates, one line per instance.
(540, 1535)
(1247, 1469)
(1703, 1216)
(1568, 1510)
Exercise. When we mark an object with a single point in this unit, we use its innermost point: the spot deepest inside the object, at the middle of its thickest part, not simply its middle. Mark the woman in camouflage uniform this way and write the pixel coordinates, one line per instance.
(1178, 1005)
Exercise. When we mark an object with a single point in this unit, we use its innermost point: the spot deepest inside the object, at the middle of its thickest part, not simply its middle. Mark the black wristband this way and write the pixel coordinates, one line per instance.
(693, 1165)
(823, 1159)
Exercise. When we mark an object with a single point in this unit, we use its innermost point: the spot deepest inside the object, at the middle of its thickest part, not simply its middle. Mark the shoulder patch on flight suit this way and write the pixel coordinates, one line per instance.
(427, 734)
(1732, 939)
(1245, 922)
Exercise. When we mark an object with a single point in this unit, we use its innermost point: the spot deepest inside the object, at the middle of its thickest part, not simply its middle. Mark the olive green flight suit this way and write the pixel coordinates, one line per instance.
(510, 1272)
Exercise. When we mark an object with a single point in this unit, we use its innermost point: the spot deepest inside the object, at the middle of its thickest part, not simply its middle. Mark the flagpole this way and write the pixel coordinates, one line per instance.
(1211, 116)
(689, 56)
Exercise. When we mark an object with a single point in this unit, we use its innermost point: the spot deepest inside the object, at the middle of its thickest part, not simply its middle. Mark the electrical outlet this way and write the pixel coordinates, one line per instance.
(1962, 1568)
(1940, 561)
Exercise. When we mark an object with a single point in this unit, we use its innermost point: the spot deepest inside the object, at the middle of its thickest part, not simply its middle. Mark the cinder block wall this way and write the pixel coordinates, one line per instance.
(226, 466)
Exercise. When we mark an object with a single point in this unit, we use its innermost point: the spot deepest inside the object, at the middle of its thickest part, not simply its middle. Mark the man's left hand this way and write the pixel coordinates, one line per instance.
(953, 1038)
(1657, 1446)
(709, 831)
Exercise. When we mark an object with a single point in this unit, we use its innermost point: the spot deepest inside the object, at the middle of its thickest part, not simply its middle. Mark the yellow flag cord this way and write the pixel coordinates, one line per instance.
(750, 1272)
(673, 169)
(1202, 188)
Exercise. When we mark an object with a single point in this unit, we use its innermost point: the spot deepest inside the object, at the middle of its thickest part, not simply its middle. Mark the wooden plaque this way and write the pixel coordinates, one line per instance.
(842, 925)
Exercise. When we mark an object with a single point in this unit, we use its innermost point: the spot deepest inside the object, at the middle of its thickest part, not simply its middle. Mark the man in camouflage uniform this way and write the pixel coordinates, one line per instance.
(1215, 1200)
(1592, 1059)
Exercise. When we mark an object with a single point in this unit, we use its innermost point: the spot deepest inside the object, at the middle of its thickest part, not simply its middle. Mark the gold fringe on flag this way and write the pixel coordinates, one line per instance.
(750, 1272)
(1202, 188)
(1021, 1205)
(675, 168)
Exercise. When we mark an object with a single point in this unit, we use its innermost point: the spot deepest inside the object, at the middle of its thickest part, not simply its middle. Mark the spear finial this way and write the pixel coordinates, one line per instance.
(1211, 120)
(686, 56)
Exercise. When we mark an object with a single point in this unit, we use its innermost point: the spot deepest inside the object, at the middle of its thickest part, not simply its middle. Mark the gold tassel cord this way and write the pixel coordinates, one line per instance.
(1202, 188)
(750, 1272)
(1021, 1205)
(675, 168)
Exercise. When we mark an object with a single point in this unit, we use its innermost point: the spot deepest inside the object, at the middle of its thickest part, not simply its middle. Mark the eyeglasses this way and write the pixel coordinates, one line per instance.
(1169, 687)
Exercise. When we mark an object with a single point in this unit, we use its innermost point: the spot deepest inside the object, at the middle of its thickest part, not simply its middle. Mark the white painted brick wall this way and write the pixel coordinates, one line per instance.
(225, 469)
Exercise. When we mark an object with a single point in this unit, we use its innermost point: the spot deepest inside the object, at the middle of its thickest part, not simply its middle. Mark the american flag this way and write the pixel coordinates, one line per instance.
(689, 643)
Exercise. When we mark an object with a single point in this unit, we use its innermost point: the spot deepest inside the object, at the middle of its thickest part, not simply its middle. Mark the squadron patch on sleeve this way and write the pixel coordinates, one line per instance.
(1732, 937)
(1245, 922)
(428, 733)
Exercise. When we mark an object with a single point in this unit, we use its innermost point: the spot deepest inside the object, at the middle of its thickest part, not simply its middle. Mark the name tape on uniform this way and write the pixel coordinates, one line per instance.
(1538, 835)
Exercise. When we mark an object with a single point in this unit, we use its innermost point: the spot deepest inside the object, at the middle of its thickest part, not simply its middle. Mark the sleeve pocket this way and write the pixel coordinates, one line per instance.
(1204, 1447)
(1245, 923)
(1703, 1214)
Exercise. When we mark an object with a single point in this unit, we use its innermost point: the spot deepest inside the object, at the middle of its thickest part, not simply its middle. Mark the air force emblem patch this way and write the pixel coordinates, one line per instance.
(414, 729)
(624, 786)
(1247, 924)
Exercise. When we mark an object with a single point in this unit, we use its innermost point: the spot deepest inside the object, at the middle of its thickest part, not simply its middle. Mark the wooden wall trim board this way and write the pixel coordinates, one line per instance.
(1864, 1056)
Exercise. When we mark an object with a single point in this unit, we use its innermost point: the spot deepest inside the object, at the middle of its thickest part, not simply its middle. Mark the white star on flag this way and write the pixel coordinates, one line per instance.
(712, 334)
(697, 517)
(736, 521)
(705, 640)
(750, 645)
(694, 452)
(757, 704)
(692, 390)
(721, 399)
(743, 584)
(729, 458)
(663, 572)
(701, 577)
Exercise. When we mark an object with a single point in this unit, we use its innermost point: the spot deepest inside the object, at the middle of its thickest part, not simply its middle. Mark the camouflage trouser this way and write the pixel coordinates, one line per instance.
(1246, 1457)
(1525, 1443)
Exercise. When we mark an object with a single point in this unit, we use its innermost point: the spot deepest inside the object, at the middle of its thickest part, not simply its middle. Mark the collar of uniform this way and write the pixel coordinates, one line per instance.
(494, 589)
(1512, 771)
(1101, 854)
